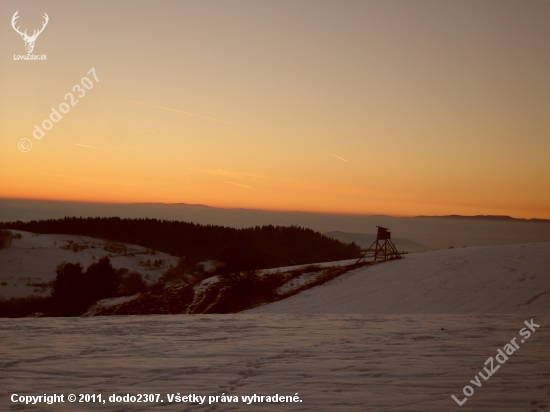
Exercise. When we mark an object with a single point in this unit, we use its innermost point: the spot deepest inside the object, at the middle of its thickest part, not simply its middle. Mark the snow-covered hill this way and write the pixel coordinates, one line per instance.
(482, 280)
(30, 262)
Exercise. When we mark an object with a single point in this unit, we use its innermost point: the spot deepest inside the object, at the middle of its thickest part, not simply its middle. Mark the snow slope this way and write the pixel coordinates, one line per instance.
(482, 280)
(33, 259)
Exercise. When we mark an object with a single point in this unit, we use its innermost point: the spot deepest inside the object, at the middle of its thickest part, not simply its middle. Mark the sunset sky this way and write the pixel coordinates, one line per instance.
(364, 107)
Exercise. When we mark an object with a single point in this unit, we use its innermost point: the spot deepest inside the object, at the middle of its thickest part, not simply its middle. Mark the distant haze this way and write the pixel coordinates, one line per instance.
(435, 233)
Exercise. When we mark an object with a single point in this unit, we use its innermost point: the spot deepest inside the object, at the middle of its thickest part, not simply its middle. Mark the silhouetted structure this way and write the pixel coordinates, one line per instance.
(382, 248)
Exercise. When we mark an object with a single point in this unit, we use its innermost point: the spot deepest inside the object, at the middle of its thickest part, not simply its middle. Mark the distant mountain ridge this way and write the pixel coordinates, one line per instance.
(436, 232)
(499, 218)
(505, 218)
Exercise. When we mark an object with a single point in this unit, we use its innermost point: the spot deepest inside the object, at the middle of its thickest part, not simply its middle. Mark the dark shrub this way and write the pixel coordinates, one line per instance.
(131, 283)
(5, 238)
(74, 291)
(69, 291)
(243, 290)
(101, 280)
(21, 307)
(187, 271)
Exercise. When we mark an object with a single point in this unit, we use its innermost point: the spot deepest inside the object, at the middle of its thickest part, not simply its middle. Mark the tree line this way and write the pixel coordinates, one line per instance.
(243, 249)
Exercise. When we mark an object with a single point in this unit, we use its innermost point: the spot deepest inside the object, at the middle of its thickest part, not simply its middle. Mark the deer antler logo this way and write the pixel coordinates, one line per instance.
(29, 40)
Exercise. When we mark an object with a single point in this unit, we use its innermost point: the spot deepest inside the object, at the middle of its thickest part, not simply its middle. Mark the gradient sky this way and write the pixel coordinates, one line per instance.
(385, 107)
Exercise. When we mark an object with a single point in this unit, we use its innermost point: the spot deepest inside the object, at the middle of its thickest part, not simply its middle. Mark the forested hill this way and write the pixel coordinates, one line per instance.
(251, 248)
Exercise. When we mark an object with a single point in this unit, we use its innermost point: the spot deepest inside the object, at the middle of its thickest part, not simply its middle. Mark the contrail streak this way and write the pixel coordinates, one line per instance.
(177, 111)
(232, 175)
(91, 147)
(341, 158)
(239, 185)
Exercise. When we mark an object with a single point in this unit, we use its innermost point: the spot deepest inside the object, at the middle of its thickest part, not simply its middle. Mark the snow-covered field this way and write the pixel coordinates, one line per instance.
(399, 336)
(334, 362)
(30, 262)
(476, 280)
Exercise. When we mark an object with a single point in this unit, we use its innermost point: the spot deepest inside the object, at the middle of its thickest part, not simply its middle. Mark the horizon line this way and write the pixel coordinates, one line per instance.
(451, 216)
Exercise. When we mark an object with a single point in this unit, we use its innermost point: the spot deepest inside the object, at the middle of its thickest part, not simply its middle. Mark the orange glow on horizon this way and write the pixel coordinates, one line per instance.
(365, 109)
